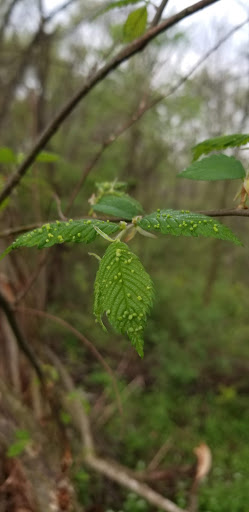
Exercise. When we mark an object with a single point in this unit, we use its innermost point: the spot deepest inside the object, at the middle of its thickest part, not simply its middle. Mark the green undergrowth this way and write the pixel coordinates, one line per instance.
(193, 388)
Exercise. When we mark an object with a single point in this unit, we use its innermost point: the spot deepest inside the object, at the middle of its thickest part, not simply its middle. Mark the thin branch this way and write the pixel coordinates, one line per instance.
(58, 204)
(160, 454)
(125, 54)
(159, 13)
(226, 212)
(21, 341)
(83, 339)
(32, 279)
(120, 475)
(19, 229)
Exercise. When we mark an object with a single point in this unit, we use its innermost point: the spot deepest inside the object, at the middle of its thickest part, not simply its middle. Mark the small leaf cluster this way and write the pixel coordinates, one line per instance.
(216, 167)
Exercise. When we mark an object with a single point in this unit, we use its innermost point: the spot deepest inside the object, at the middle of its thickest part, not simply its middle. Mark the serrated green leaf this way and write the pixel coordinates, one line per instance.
(47, 157)
(135, 24)
(121, 206)
(185, 223)
(7, 156)
(215, 167)
(219, 143)
(124, 291)
(77, 231)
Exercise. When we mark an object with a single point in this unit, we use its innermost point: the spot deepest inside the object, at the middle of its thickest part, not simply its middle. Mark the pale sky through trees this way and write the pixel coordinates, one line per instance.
(234, 11)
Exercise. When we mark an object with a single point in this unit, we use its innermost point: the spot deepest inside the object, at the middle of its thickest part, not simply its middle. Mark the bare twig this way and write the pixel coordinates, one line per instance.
(58, 204)
(32, 279)
(125, 54)
(159, 13)
(159, 455)
(19, 229)
(120, 475)
(226, 212)
(101, 419)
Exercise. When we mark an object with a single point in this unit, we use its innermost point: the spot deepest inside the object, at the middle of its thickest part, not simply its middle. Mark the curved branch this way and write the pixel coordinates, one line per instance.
(125, 54)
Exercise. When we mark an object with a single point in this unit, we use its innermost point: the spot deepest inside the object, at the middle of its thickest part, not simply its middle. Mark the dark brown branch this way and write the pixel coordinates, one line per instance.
(125, 54)
(227, 212)
(21, 341)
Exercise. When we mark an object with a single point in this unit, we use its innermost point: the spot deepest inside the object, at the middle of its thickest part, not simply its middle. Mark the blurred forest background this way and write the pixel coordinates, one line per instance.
(137, 126)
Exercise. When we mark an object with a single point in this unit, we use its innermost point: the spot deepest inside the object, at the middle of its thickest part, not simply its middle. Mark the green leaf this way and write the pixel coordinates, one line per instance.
(7, 156)
(219, 143)
(135, 24)
(215, 167)
(185, 223)
(58, 232)
(21, 442)
(17, 448)
(43, 157)
(47, 157)
(124, 291)
(121, 206)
